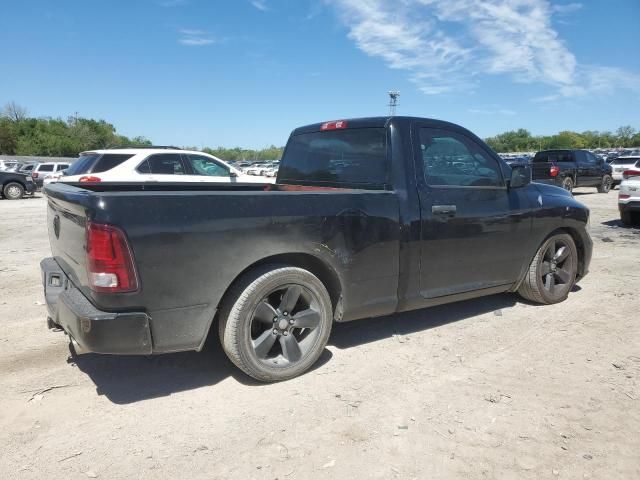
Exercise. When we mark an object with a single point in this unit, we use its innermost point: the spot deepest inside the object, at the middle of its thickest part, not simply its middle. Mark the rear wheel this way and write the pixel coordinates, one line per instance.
(552, 272)
(626, 218)
(606, 185)
(276, 322)
(567, 184)
(13, 191)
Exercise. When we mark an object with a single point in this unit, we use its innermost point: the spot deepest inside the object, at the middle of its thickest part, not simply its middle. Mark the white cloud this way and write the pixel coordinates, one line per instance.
(260, 5)
(195, 38)
(566, 8)
(446, 45)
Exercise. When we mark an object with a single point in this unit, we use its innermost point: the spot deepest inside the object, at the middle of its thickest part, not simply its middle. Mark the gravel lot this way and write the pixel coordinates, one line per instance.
(489, 388)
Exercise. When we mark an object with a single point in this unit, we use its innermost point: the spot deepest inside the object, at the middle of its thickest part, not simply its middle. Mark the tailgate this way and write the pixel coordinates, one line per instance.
(541, 170)
(67, 211)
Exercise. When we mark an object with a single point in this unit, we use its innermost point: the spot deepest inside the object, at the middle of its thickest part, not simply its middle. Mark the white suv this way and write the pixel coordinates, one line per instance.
(42, 170)
(620, 164)
(153, 164)
(629, 195)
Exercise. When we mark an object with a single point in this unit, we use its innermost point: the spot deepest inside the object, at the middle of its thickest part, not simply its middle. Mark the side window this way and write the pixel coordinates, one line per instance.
(591, 158)
(62, 166)
(46, 168)
(162, 164)
(202, 165)
(450, 159)
(109, 161)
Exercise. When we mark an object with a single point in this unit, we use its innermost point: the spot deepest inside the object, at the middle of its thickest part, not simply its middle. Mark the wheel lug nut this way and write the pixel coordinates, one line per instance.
(275, 331)
(285, 333)
(275, 319)
(285, 313)
(291, 321)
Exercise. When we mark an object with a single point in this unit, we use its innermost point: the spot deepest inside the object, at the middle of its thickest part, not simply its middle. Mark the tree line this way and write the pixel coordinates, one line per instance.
(521, 140)
(54, 137)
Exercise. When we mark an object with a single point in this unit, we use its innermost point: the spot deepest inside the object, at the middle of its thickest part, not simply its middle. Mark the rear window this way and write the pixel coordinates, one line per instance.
(83, 164)
(552, 157)
(345, 157)
(625, 161)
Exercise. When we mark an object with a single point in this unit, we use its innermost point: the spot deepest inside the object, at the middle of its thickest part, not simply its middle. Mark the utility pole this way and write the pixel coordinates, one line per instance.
(393, 101)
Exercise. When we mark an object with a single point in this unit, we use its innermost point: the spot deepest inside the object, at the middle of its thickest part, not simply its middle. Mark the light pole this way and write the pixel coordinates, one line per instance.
(393, 101)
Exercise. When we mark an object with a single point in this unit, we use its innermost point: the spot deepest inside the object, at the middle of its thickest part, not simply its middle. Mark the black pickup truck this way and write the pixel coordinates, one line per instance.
(572, 168)
(367, 217)
(14, 186)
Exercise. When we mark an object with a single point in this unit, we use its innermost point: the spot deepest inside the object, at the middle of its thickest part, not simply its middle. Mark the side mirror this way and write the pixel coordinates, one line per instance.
(232, 174)
(520, 176)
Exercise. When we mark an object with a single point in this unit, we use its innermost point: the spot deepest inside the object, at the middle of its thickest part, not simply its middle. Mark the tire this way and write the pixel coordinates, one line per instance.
(567, 184)
(258, 333)
(551, 277)
(626, 218)
(606, 185)
(13, 191)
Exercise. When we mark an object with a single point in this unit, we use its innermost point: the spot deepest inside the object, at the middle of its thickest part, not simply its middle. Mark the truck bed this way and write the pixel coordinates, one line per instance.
(190, 241)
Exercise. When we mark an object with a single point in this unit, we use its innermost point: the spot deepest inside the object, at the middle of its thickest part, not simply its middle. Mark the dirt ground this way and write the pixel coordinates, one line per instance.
(489, 388)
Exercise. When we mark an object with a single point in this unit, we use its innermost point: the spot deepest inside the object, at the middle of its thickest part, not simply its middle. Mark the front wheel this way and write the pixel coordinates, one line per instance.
(552, 272)
(13, 191)
(275, 322)
(606, 184)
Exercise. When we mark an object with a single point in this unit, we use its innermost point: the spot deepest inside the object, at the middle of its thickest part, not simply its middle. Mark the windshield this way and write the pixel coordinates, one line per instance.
(348, 156)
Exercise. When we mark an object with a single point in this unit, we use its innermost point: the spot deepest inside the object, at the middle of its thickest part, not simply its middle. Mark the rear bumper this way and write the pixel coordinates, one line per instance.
(630, 206)
(90, 329)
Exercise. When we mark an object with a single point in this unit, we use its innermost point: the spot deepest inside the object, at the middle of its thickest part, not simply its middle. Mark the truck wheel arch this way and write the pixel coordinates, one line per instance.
(579, 246)
(325, 273)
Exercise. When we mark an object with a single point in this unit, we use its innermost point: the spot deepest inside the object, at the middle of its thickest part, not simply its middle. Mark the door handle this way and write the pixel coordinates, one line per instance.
(444, 210)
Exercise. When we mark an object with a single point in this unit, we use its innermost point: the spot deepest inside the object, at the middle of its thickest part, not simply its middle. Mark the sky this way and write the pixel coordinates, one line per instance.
(246, 72)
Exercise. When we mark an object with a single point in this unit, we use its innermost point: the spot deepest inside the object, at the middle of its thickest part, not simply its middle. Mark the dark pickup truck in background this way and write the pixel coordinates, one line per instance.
(14, 185)
(571, 168)
(367, 217)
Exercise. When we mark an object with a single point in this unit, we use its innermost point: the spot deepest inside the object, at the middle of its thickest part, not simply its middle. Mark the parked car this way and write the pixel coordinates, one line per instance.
(28, 167)
(8, 165)
(54, 177)
(14, 185)
(257, 169)
(151, 164)
(368, 217)
(629, 195)
(620, 165)
(41, 170)
(517, 161)
(571, 168)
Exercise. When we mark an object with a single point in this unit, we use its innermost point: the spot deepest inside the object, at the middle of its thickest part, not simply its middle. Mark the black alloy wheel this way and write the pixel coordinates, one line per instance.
(275, 322)
(557, 269)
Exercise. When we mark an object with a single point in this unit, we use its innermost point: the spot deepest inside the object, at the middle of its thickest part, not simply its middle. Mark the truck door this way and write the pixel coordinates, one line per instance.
(473, 228)
(587, 169)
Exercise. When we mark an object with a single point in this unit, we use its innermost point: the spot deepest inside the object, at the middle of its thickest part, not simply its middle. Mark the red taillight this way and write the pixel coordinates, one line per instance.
(34, 175)
(89, 178)
(554, 171)
(109, 260)
(630, 173)
(623, 196)
(338, 124)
